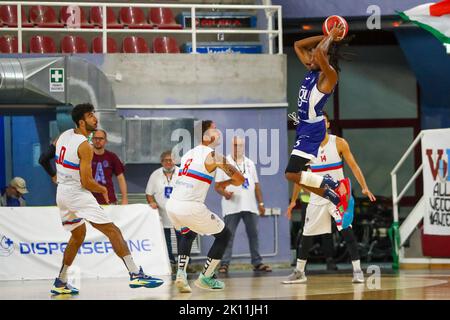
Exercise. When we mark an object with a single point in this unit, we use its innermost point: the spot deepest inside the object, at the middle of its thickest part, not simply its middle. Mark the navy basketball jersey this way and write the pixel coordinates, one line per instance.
(310, 100)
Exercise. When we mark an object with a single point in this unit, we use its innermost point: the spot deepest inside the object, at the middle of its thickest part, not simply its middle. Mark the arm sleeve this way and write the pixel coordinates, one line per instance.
(44, 160)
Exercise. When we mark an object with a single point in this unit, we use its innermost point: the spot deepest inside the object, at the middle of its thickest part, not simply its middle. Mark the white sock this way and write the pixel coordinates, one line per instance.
(301, 265)
(210, 266)
(63, 273)
(183, 262)
(356, 265)
(129, 263)
(310, 179)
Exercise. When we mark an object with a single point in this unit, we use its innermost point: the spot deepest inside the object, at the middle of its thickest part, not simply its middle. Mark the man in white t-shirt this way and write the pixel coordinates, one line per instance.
(242, 203)
(159, 188)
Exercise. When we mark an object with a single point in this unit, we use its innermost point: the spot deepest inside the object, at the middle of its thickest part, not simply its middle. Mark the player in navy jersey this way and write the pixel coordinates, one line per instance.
(316, 88)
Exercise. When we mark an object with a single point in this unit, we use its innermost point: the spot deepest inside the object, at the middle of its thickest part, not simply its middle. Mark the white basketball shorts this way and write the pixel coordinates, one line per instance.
(194, 216)
(77, 205)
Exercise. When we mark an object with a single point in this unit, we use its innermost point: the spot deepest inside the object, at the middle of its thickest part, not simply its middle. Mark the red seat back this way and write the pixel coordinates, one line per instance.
(42, 44)
(165, 45)
(134, 44)
(10, 44)
(96, 17)
(132, 16)
(8, 16)
(160, 16)
(74, 44)
(73, 15)
(44, 16)
(97, 45)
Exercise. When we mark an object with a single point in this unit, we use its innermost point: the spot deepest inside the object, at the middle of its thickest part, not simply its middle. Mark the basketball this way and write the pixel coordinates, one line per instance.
(332, 21)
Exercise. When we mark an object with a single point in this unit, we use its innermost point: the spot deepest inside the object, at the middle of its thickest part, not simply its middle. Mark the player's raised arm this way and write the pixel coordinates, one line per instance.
(303, 48)
(86, 154)
(344, 150)
(215, 160)
(321, 57)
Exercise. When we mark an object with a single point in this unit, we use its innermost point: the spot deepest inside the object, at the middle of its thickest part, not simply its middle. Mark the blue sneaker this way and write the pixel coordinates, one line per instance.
(60, 287)
(140, 279)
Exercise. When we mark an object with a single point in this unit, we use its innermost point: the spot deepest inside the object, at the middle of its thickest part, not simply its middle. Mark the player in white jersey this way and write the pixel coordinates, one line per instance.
(187, 210)
(333, 150)
(77, 204)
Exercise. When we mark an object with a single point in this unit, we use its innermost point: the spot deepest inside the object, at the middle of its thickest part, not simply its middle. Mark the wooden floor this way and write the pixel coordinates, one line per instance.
(405, 285)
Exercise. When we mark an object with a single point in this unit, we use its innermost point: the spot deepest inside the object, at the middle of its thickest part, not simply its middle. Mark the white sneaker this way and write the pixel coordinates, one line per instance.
(358, 276)
(296, 277)
(182, 283)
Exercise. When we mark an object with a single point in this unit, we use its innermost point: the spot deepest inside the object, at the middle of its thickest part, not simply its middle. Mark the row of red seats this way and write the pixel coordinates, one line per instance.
(76, 44)
(130, 17)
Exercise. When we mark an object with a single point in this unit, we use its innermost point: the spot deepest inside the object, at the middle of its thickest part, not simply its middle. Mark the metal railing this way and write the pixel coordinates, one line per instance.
(270, 10)
(400, 234)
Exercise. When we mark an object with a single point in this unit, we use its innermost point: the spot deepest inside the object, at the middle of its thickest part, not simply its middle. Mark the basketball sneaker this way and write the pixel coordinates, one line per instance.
(60, 287)
(358, 276)
(140, 279)
(296, 276)
(182, 283)
(209, 283)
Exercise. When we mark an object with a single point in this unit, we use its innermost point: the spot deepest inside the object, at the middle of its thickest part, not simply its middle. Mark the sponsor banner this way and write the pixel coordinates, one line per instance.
(224, 47)
(436, 181)
(218, 20)
(32, 243)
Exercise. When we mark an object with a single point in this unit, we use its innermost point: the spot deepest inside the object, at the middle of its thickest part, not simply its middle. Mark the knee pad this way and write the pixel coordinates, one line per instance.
(296, 164)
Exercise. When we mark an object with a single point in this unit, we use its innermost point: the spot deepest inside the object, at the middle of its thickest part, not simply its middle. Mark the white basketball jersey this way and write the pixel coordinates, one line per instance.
(328, 161)
(67, 160)
(193, 179)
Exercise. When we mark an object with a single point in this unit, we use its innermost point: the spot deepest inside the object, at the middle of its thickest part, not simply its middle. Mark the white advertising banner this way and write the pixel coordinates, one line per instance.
(436, 181)
(32, 243)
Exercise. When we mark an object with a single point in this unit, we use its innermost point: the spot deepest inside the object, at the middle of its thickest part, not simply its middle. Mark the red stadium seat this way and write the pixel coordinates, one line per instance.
(134, 18)
(42, 44)
(44, 17)
(134, 44)
(74, 44)
(97, 45)
(8, 17)
(68, 16)
(96, 18)
(163, 18)
(9, 44)
(165, 45)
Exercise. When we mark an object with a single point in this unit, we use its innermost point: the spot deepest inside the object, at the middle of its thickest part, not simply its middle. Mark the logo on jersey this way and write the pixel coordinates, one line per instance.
(323, 158)
(6, 246)
(302, 96)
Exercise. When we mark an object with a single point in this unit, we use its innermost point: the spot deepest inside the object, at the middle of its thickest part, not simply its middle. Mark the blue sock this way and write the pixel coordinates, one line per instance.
(332, 196)
(329, 182)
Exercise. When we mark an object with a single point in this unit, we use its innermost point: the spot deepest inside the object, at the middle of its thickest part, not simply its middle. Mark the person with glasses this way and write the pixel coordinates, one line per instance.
(159, 188)
(104, 164)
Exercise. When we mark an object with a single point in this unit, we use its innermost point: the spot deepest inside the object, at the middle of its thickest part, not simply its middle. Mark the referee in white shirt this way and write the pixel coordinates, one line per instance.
(159, 188)
(242, 202)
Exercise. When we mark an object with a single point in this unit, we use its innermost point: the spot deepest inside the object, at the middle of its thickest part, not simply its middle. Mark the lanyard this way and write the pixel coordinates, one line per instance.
(243, 162)
(168, 180)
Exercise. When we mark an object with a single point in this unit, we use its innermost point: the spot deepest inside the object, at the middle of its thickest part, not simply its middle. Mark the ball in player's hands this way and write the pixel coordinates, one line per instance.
(333, 21)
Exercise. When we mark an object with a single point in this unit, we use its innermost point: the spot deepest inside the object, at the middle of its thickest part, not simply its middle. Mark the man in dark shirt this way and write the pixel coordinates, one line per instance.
(104, 164)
